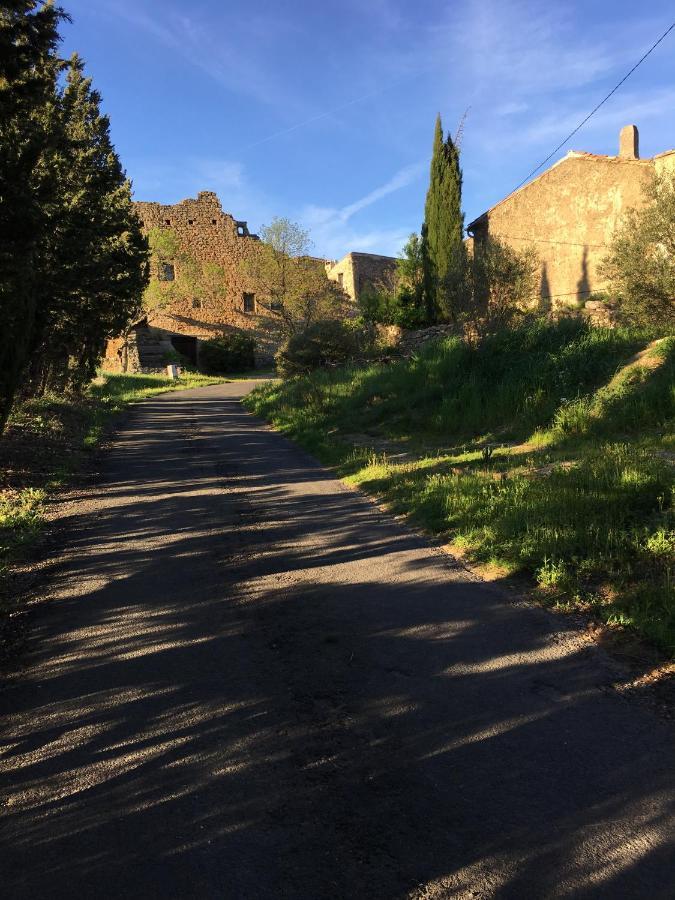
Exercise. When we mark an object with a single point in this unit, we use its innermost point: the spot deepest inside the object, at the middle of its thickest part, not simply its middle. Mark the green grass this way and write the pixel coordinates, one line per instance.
(47, 440)
(578, 492)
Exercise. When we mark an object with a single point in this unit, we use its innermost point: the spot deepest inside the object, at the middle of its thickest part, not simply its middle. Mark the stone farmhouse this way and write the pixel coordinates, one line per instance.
(569, 214)
(213, 238)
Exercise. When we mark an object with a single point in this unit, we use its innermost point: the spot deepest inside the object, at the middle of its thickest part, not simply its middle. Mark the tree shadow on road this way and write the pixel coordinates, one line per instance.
(251, 682)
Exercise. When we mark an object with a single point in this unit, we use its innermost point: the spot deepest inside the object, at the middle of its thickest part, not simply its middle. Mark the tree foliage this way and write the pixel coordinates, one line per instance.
(29, 69)
(640, 265)
(72, 257)
(499, 287)
(323, 344)
(292, 286)
(96, 256)
(230, 352)
(442, 246)
(398, 297)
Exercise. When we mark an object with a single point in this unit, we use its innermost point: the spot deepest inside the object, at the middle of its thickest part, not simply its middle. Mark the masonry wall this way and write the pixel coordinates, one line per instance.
(357, 271)
(210, 236)
(569, 215)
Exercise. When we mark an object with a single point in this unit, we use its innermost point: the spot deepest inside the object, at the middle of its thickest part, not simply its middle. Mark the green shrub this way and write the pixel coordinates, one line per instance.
(173, 357)
(233, 352)
(324, 344)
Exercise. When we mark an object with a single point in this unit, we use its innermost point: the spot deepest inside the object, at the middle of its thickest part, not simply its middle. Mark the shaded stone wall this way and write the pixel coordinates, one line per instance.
(356, 271)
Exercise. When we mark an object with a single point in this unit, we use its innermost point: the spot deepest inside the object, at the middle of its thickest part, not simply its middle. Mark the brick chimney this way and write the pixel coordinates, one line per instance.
(629, 142)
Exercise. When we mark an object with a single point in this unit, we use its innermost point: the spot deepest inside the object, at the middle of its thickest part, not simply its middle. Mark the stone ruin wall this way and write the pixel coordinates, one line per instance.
(211, 236)
(208, 235)
(360, 270)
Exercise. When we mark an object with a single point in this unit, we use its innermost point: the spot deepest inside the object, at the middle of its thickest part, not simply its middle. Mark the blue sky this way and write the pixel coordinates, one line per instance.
(324, 111)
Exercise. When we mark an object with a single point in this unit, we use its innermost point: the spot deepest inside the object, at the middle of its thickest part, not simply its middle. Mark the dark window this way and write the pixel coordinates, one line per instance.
(197, 303)
(214, 221)
(191, 221)
(249, 303)
(341, 279)
(167, 272)
(167, 221)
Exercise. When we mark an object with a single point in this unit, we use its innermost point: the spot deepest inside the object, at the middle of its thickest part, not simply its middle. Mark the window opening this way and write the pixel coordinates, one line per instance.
(167, 272)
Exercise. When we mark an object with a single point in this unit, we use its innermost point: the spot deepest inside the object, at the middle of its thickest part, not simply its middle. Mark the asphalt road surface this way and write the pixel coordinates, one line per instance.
(250, 682)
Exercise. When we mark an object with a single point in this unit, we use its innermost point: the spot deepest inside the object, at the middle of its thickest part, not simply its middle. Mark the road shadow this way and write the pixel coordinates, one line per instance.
(251, 682)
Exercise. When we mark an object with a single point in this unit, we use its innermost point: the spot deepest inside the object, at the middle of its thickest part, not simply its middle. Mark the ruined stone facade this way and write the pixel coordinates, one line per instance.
(209, 236)
(357, 271)
(569, 214)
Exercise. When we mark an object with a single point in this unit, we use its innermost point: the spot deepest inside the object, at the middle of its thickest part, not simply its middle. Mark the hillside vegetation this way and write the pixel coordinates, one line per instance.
(546, 450)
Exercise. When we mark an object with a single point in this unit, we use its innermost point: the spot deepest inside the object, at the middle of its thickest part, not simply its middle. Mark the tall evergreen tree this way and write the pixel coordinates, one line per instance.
(443, 230)
(97, 254)
(29, 68)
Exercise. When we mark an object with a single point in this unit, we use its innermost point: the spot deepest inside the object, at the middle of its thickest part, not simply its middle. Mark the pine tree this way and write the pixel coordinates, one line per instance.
(97, 255)
(29, 68)
(443, 230)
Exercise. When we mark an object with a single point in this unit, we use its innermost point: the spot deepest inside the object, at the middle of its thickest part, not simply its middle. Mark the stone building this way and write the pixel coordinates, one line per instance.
(569, 213)
(212, 238)
(357, 271)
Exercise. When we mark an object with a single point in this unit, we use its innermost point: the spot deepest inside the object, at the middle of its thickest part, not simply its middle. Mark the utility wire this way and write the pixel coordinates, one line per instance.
(534, 240)
(602, 102)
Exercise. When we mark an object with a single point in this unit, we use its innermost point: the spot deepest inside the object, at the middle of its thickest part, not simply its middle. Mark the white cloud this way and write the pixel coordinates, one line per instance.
(332, 234)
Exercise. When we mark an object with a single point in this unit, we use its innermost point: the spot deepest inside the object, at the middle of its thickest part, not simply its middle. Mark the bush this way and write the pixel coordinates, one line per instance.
(173, 357)
(324, 344)
(640, 265)
(228, 353)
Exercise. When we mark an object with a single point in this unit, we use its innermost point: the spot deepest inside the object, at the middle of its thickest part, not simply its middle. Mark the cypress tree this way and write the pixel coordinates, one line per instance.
(29, 68)
(97, 255)
(444, 256)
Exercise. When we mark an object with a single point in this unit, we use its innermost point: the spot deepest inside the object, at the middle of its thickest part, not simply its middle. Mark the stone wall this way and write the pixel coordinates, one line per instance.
(569, 214)
(357, 271)
(210, 236)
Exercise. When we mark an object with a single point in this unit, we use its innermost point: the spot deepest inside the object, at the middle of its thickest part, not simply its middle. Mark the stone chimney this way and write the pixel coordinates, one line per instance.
(629, 142)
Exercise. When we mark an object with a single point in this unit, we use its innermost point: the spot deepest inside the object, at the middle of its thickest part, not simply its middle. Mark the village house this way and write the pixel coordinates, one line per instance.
(356, 272)
(569, 214)
(215, 241)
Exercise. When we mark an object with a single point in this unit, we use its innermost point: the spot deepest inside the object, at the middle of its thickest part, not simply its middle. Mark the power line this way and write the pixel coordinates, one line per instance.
(593, 111)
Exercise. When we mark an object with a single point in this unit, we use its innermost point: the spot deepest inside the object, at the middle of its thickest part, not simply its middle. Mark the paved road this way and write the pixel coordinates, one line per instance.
(252, 683)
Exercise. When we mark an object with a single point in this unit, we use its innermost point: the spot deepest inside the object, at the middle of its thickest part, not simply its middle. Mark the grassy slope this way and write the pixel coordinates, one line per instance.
(46, 440)
(578, 490)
